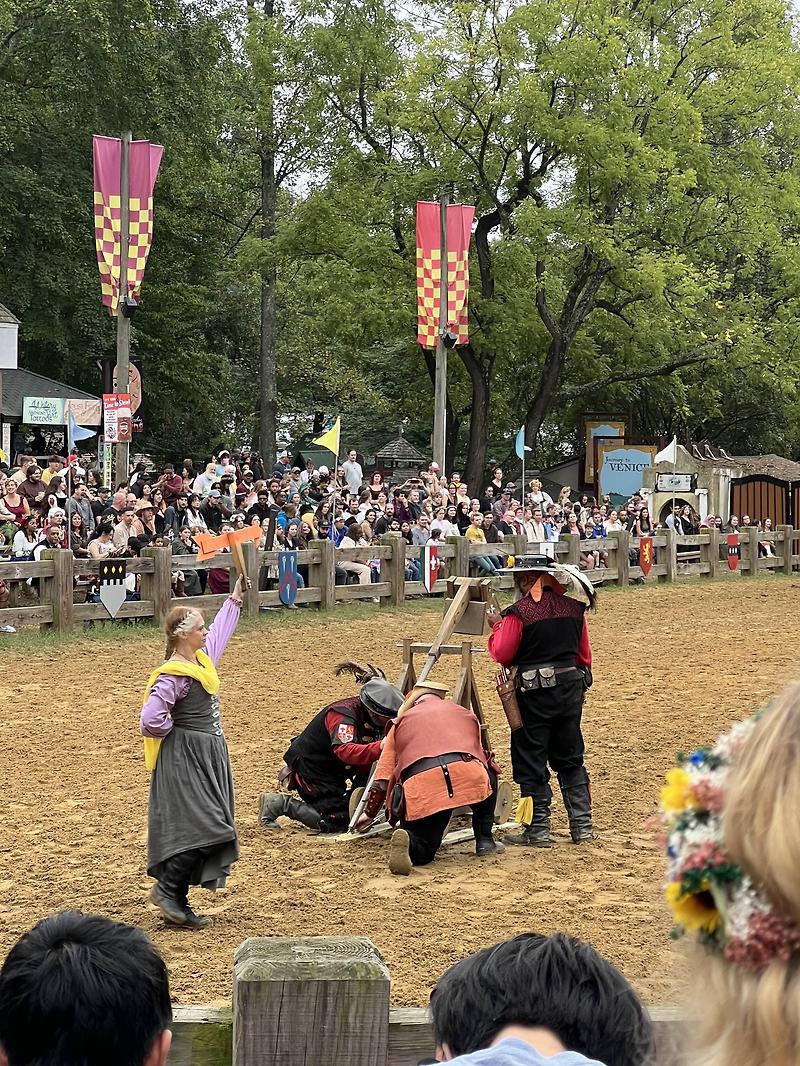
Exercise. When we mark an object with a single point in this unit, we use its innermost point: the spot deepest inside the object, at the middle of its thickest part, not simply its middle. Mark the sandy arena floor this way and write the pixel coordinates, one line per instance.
(672, 667)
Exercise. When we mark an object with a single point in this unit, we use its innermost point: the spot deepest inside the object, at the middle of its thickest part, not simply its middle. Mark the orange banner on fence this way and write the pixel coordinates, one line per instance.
(210, 544)
(429, 271)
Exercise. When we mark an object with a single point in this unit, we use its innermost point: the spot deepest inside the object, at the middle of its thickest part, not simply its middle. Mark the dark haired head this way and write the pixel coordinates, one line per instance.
(551, 982)
(79, 988)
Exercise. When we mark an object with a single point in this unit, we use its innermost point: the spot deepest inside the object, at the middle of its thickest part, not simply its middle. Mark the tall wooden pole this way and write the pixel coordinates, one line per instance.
(123, 323)
(440, 388)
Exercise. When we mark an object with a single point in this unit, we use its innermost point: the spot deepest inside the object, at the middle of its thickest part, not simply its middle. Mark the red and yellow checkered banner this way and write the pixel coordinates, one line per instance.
(429, 271)
(144, 161)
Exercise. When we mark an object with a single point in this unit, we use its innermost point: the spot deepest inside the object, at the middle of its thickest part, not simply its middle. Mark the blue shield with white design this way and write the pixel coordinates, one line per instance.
(287, 577)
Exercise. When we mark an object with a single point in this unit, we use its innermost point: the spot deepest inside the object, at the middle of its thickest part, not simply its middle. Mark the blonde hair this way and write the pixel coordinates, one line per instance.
(754, 1018)
(178, 624)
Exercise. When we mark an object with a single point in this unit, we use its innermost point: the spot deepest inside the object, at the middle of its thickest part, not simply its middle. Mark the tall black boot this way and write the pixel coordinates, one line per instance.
(274, 804)
(578, 801)
(485, 844)
(169, 893)
(537, 834)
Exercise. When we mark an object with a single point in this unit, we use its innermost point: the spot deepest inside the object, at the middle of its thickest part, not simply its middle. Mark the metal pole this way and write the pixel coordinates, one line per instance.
(123, 323)
(440, 391)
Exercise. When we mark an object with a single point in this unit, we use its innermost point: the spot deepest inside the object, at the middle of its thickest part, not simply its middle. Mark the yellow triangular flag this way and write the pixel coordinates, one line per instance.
(2, 456)
(330, 440)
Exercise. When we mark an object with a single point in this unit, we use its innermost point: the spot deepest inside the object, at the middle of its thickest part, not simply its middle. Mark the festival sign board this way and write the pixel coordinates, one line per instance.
(621, 467)
(597, 427)
(117, 417)
(676, 482)
(43, 411)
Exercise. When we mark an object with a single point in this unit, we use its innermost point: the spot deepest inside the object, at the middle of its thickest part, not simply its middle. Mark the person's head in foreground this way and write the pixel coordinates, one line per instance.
(81, 989)
(732, 832)
(534, 997)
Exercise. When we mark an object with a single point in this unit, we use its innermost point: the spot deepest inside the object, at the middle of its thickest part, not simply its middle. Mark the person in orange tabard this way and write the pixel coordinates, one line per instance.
(432, 762)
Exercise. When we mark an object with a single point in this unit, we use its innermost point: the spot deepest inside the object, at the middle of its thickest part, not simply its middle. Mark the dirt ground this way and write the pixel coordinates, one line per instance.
(673, 666)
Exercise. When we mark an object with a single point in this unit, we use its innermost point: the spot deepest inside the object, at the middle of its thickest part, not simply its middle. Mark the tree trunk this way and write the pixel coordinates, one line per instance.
(475, 468)
(268, 389)
(548, 387)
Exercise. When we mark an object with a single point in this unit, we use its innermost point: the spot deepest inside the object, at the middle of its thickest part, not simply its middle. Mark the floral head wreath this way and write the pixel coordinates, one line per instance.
(708, 893)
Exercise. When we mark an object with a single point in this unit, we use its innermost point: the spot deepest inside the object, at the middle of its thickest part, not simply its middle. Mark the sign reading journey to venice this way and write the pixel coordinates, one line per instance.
(621, 469)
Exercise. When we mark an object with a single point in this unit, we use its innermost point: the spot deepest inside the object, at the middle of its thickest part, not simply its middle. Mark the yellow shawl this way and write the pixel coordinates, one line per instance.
(203, 671)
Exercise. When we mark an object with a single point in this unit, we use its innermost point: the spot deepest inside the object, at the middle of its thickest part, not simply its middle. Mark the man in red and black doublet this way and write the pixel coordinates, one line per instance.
(332, 755)
(544, 635)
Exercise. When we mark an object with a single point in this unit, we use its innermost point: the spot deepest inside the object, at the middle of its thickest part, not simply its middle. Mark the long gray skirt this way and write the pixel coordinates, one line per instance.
(192, 806)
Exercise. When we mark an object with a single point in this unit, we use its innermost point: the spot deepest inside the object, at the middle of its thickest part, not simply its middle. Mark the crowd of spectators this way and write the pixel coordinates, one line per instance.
(61, 504)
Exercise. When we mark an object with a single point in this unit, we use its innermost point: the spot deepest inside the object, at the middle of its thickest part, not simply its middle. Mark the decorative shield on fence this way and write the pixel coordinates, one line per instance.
(734, 551)
(430, 566)
(287, 577)
(646, 555)
(112, 584)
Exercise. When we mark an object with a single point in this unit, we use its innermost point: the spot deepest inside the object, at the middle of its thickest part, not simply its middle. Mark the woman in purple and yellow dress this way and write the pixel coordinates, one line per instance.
(191, 836)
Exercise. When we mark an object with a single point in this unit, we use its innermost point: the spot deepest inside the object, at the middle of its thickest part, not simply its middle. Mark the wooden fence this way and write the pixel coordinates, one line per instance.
(55, 575)
(325, 1000)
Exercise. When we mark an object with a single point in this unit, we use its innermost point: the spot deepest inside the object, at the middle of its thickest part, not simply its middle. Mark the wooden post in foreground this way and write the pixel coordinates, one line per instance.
(713, 552)
(622, 538)
(788, 546)
(751, 536)
(322, 573)
(393, 569)
(57, 590)
(303, 1000)
(671, 551)
(158, 585)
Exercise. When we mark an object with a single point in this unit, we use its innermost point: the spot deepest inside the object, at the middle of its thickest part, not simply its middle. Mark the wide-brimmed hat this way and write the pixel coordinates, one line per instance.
(577, 585)
(144, 505)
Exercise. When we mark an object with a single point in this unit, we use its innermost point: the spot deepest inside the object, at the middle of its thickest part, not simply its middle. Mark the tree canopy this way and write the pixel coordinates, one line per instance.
(634, 171)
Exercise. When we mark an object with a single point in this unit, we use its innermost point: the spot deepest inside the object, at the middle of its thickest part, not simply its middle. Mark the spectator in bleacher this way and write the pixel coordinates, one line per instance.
(463, 516)
(123, 530)
(354, 538)
(78, 988)
(420, 531)
(353, 473)
(144, 522)
(24, 462)
(612, 523)
(539, 999)
(674, 520)
(642, 527)
(689, 521)
(494, 537)
(170, 483)
(444, 522)
(55, 464)
(183, 544)
(159, 511)
(475, 535)
(174, 515)
(766, 548)
(537, 495)
(501, 504)
(193, 518)
(733, 525)
(589, 560)
(78, 536)
(33, 490)
(99, 504)
(103, 544)
(203, 482)
(215, 511)
(52, 537)
(539, 532)
(79, 501)
(25, 538)
(487, 500)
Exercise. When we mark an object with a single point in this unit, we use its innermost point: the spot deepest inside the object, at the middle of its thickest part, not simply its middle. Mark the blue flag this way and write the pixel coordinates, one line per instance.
(521, 447)
(76, 432)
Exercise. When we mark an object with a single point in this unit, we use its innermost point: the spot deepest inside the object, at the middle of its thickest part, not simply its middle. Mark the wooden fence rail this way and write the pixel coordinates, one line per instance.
(49, 585)
(325, 1000)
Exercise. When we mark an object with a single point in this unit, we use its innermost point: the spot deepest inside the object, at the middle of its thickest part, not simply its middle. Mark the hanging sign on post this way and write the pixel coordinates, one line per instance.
(117, 418)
